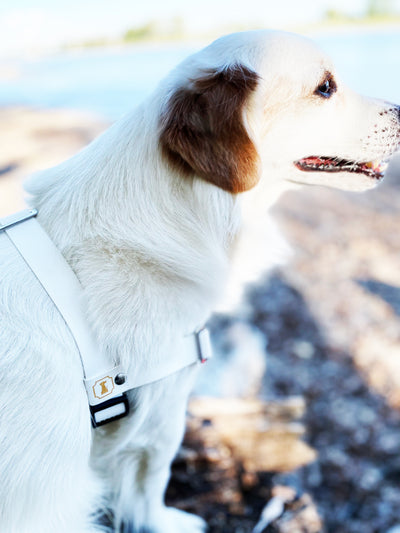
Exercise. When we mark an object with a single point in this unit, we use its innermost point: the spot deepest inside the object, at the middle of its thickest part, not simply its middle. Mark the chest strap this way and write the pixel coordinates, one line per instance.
(105, 383)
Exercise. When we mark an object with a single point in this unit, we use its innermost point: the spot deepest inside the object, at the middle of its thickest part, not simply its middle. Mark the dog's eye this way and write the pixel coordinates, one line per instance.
(327, 87)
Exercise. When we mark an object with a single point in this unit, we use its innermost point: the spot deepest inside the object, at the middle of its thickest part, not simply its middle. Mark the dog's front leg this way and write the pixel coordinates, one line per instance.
(135, 454)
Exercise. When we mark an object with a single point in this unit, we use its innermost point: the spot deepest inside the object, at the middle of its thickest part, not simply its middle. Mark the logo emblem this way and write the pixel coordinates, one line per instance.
(103, 387)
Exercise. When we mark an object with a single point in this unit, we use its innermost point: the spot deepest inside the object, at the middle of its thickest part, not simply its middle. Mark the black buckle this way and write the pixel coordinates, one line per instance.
(117, 408)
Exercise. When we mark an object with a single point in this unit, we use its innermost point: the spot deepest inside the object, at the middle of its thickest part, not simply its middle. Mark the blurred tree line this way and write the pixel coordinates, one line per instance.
(169, 29)
(375, 10)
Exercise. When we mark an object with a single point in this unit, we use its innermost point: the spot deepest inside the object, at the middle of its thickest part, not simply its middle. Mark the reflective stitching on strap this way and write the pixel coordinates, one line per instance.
(16, 218)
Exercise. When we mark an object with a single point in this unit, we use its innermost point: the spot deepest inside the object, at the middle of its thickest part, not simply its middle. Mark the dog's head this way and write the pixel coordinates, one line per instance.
(270, 105)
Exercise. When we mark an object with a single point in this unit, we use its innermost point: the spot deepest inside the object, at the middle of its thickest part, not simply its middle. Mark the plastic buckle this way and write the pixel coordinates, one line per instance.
(109, 411)
(204, 347)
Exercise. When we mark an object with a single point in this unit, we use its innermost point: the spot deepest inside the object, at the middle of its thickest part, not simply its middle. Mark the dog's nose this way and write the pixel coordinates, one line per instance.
(396, 113)
(395, 109)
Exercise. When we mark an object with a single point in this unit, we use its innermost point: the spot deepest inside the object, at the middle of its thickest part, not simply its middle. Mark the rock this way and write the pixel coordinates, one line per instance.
(299, 516)
(263, 436)
(273, 510)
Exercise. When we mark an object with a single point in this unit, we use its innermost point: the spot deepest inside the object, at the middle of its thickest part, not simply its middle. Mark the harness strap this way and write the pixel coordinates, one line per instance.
(105, 383)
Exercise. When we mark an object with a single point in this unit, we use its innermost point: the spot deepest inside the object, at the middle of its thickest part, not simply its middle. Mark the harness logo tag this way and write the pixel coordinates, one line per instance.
(103, 387)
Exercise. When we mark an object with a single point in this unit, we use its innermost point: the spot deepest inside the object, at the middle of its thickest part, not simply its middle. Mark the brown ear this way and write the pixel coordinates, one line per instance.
(202, 130)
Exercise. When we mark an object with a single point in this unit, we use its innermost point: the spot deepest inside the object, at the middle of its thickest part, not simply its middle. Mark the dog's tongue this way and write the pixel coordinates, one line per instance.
(314, 160)
(376, 168)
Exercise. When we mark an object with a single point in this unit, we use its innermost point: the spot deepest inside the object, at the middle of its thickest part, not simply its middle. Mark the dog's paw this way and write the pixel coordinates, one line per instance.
(182, 522)
(168, 520)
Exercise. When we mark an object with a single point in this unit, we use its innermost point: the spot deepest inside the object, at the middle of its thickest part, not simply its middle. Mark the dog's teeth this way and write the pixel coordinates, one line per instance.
(376, 166)
(324, 164)
(379, 166)
(382, 168)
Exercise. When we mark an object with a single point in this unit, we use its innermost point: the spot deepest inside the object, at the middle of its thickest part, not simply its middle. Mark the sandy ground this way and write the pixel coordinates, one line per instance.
(32, 140)
(330, 319)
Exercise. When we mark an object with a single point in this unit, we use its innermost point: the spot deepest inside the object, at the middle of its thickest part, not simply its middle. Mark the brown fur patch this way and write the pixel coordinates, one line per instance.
(202, 131)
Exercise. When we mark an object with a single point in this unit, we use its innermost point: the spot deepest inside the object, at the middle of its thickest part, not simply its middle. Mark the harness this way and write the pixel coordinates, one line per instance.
(106, 384)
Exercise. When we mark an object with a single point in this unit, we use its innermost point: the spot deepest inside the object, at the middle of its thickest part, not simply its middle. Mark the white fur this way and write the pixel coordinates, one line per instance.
(152, 250)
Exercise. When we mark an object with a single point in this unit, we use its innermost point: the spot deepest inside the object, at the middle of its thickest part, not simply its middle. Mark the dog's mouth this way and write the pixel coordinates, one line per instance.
(372, 169)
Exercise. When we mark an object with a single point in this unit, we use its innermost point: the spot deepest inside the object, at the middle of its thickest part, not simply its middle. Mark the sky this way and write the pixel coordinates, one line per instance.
(25, 24)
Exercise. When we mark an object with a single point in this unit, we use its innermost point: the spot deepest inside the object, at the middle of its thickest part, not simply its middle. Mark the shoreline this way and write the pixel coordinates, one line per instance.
(202, 39)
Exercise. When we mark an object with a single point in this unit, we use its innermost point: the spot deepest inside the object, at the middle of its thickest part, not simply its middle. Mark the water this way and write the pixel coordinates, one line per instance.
(106, 82)
(367, 62)
(111, 82)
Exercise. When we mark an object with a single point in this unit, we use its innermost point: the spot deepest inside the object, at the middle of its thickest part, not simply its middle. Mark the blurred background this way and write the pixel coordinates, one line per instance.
(312, 355)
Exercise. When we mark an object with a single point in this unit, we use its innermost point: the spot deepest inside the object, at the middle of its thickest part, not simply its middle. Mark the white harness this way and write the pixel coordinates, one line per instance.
(105, 384)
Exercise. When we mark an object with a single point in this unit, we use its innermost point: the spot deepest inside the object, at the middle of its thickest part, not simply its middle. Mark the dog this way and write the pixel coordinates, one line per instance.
(149, 216)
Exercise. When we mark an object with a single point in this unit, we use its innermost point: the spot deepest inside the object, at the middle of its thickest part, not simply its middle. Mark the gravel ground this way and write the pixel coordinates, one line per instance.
(331, 322)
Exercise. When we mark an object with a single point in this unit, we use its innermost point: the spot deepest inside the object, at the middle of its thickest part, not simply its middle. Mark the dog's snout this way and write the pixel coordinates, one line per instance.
(391, 117)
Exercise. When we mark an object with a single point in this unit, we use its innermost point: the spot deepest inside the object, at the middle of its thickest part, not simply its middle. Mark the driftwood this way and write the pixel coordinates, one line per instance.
(262, 436)
(232, 450)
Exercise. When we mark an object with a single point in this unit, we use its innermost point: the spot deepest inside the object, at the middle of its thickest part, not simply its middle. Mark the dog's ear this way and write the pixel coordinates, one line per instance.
(203, 133)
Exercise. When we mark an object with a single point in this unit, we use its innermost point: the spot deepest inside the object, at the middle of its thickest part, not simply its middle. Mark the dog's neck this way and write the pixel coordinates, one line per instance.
(149, 247)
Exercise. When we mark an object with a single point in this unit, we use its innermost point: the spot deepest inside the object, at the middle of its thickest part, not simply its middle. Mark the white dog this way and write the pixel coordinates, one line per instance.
(148, 216)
